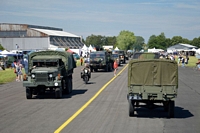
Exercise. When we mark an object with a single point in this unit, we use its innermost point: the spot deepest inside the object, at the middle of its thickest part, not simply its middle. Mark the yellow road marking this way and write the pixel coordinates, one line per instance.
(86, 104)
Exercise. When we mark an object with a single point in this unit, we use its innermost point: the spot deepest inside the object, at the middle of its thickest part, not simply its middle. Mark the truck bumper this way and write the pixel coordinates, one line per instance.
(47, 84)
(99, 66)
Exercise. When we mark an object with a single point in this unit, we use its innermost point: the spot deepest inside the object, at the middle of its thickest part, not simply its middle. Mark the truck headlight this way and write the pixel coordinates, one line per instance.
(56, 84)
(33, 76)
(50, 75)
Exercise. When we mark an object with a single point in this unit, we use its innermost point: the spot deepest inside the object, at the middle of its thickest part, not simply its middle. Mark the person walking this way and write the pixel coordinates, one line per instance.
(16, 64)
(183, 62)
(81, 61)
(115, 66)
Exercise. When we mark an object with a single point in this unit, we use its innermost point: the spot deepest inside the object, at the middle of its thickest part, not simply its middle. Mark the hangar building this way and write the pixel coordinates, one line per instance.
(33, 37)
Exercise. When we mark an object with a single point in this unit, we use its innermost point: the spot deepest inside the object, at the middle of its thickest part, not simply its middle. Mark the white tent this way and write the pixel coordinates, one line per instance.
(198, 51)
(5, 52)
(85, 48)
(155, 50)
(52, 47)
(116, 48)
(91, 48)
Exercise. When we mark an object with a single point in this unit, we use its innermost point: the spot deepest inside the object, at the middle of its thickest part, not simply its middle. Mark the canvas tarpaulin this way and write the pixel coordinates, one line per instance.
(66, 57)
(152, 72)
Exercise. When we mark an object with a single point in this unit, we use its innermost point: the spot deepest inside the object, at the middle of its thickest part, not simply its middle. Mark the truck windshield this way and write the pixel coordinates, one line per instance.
(97, 56)
(115, 55)
(40, 63)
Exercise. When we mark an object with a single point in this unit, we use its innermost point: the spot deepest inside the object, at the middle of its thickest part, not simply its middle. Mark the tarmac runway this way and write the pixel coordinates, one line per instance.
(98, 107)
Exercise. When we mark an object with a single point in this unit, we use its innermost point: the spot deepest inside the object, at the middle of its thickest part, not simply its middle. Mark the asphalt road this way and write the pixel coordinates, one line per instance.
(107, 112)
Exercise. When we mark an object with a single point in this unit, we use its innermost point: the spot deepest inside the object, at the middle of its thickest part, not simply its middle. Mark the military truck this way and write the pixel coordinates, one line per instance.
(49, 71)
(122, 56)
(152, 81)
(101, 60)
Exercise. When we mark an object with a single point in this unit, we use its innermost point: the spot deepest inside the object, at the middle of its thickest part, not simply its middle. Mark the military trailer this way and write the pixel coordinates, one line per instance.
(152, 83)
(101, 60)
(49, 71)
(122, 56)
(145, 55)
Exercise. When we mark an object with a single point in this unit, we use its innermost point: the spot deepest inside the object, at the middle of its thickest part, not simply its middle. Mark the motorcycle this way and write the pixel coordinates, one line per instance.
(85, 75)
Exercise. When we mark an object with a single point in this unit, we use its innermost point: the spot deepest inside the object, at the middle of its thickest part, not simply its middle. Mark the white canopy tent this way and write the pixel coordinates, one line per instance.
(5, 52)
(116, 48)
(84, 50)
(91, 48)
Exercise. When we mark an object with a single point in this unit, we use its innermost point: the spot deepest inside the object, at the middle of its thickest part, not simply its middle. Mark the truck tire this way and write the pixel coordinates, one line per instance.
(64, 86)
(107, 67)
(29, 93)
(171, 109)
(165, 105)
(58, 93)
(131, 108)
(69, 86)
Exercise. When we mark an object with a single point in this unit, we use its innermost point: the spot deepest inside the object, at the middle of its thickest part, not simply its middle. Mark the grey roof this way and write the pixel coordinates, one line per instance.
(55, 32)
(187, 45)
(182, 46)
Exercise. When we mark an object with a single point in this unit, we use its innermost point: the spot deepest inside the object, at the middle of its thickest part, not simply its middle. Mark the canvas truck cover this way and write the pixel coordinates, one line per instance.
(154, 72)
(141, 55)
(67, 58)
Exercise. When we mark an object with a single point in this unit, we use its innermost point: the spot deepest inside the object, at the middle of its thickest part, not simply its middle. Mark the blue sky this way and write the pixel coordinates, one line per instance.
(108, 17)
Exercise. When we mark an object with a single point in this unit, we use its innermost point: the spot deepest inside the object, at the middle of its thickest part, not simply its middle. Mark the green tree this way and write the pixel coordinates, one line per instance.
(196, 42)
(176, 39)
(1, 47)
(152, 43)
(99, 41)
(125, 40)
(158, 42)
(138, 45)
(96, 40)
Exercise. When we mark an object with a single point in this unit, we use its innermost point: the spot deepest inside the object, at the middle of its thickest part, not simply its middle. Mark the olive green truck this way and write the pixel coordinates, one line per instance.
(152, 83)
(49, 71)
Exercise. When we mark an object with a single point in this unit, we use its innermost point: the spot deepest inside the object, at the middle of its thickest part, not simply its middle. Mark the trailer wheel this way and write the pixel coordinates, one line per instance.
(131, 108)
(165, 105)
(58, 92)
(29, 93)
(171, 109)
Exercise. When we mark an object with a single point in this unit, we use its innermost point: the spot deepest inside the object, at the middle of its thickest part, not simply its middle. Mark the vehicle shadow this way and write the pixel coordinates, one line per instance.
(179, 113)
(91, 83)
(75, 92)
(51, 95)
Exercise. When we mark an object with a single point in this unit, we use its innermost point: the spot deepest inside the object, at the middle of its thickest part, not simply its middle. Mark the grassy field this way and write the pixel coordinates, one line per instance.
(8, 75)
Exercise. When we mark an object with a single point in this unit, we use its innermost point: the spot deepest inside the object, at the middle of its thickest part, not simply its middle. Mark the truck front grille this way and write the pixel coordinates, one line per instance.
(41, 77)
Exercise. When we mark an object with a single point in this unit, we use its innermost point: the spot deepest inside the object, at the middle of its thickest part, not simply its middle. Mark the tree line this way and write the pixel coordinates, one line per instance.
(127, 40)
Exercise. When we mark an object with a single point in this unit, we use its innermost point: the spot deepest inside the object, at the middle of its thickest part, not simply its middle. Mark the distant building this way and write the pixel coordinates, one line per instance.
(182, 48)
(33, 37)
